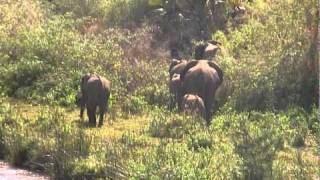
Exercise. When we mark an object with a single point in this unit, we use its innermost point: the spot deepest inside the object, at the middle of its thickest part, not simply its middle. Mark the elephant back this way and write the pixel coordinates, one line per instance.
(96, 87)
(105, 83)
(205, 65)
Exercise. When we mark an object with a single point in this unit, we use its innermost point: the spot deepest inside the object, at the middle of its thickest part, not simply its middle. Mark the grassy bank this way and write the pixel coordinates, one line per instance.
(265, 124)
(161, 144)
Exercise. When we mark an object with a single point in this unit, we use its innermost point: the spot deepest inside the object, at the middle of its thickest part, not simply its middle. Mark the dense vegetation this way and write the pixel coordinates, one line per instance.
(266, 116)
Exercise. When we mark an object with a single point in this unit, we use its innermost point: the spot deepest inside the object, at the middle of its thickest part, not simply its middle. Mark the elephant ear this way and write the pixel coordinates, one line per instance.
(84, 80)
(174, 62)
(189, 65)
(217, 68)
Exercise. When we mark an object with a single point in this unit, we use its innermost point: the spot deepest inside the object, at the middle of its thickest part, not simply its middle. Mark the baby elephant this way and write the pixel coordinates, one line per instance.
(95, 92)
(193, 104)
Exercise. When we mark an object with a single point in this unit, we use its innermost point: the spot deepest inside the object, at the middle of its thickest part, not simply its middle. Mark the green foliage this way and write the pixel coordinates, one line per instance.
(165, 124)
(237, 145)
(175, 161)
(266, 66)
(257, 139)
(133, 140)
(88, 168)
(155, 2)
(200, 140)
(267, 126)
(291, 165)
(116, 12)
(135, 104)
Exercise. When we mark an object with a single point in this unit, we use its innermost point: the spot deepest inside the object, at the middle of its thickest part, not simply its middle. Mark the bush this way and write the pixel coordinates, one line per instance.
(264, 76)
(298, 168)
(117, 12)
(175, 161)
(165, 124)
(257, 139)
(88, 168)
(298, 122)
(135, 104)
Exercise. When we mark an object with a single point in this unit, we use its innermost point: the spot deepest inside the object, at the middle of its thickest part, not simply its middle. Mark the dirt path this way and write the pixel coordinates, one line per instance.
(8, 172)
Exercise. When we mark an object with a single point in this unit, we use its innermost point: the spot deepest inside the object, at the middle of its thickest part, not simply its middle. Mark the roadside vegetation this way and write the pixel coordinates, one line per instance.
(265, 124)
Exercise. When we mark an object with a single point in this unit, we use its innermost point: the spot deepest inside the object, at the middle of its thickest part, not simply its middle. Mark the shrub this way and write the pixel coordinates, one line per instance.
(88, 168)
(175, 161)
(292, 165)
(200, 140)
(165, 124)
(261, 75)
(298, 122)
(135, 104)
(117, 12)
(257, 139)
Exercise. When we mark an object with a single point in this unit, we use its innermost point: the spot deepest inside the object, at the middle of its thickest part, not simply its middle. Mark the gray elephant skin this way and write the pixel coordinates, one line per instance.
(194, 104)
(201, 78)
(95, 92)
(177, 66)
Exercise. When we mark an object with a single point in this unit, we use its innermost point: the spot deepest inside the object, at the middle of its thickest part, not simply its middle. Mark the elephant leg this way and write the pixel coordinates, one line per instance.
(208, 114)
(91, 111)
(172, 102)
(179, 101)
(81, 112)
(203, 112)
(102, 109)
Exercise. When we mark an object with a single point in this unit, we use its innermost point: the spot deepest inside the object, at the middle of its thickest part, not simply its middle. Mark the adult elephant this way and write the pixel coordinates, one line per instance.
(202, 78)
(95, 92)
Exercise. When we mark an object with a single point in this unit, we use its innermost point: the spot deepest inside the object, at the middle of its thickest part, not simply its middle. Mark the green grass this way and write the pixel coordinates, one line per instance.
(127, 147)
(266, 124)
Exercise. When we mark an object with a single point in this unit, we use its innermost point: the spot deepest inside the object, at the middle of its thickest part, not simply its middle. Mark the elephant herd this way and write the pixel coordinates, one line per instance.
(193, 84)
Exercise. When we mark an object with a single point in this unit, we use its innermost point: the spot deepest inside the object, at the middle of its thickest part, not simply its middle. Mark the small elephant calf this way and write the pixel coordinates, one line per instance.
(95, 92)
(193, 104)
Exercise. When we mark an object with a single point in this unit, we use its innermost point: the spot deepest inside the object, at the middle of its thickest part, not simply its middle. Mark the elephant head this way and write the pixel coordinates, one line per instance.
(176, 66)
(201, 78)
(206, 50)
(193, 104)
(84, 81)
(95, 92)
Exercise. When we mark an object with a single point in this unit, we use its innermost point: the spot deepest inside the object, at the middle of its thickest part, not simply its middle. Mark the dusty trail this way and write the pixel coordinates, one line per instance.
(8, 172)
